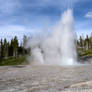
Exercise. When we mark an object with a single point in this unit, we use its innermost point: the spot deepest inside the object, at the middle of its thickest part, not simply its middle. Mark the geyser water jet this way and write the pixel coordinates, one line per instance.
(58, 48)
(68, 49)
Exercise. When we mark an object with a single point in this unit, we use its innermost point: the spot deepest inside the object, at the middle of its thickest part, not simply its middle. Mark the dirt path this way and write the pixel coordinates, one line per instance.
(46, 79)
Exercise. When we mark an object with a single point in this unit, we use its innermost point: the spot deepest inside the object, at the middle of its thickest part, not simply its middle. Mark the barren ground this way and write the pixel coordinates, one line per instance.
(46, 78)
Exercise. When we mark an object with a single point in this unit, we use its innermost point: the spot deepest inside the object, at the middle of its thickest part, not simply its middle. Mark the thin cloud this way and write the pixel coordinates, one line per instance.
(89, 15)
(9, 31)
(15, 30)
(8, 6)
(39, 4)
(33, 13)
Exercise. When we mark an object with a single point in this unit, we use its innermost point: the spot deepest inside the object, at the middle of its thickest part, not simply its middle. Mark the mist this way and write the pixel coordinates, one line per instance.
(56, 48)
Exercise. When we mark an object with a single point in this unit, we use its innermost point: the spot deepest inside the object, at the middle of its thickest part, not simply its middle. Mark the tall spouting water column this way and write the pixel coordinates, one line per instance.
(58, 48)
(69, 55)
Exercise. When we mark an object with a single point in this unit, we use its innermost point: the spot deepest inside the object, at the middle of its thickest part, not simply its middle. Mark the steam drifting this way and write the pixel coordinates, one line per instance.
(58, 48)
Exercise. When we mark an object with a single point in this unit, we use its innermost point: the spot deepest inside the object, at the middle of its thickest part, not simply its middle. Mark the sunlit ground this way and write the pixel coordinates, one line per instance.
(46, 78)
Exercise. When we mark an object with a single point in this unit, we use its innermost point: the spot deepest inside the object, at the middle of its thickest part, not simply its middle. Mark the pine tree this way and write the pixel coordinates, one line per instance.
(15, 46)
(2, 49)
(24, 44)
(91, 41)
(81, 42)
(10, 48)
(5, 48)
(87, 42)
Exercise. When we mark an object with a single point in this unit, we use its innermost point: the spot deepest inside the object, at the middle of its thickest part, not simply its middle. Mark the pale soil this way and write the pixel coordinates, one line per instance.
(46, 78)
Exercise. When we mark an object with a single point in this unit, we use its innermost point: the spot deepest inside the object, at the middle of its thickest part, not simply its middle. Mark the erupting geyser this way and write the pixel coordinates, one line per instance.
(69, 56)
(58, 48)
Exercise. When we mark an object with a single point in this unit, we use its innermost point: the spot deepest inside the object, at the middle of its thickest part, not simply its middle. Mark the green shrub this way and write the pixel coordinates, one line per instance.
(13, 61)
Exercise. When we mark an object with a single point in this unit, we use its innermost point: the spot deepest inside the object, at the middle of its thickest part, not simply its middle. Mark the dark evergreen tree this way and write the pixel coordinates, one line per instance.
(5, 48)
(15, 46)
(87, 42)
(2, 49)
(24, 44)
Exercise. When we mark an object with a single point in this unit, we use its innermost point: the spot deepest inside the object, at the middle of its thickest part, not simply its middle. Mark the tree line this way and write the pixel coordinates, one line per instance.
(12, 48)
(85, 43)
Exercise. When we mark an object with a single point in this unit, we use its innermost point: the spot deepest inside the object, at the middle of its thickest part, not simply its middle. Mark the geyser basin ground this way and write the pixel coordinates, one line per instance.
(46, 79)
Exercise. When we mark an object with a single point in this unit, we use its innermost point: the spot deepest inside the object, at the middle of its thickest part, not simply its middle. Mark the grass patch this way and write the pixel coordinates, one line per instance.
(13, 61)
(86, 52)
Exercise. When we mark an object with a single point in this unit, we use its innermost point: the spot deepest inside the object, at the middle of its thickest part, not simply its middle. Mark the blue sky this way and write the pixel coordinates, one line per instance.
(19, 17)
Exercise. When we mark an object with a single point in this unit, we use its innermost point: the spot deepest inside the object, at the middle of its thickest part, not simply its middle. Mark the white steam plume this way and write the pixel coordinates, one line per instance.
(58, 48)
